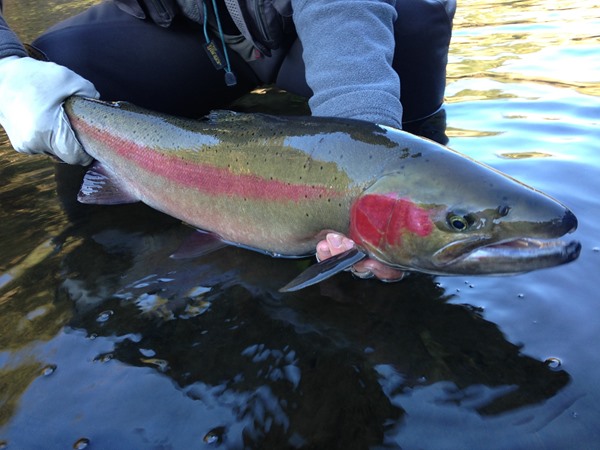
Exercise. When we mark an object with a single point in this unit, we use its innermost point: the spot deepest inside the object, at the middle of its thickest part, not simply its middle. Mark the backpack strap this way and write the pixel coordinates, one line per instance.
(236, 13)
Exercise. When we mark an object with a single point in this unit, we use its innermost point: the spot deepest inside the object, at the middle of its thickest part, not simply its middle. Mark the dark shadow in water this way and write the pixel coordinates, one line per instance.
(324, 367)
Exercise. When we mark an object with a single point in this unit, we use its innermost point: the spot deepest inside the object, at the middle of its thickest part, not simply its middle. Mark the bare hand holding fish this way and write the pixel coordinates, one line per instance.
(336, 244)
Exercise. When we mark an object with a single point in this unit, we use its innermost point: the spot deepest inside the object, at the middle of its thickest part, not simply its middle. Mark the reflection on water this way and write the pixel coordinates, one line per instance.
(30, 17)
(330, 365)
(106, 341)
(521, 155)
(534, 41)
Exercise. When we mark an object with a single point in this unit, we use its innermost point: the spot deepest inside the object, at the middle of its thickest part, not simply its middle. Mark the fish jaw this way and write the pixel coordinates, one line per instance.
(514, 256)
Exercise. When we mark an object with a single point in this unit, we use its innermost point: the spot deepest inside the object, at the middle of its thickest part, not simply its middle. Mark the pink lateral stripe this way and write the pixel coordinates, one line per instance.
(208, 179)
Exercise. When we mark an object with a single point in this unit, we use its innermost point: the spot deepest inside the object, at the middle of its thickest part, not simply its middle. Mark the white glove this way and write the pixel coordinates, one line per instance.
(32, 93)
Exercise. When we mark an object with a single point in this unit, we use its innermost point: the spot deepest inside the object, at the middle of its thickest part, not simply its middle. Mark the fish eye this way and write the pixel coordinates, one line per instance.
(503, 210)
(458, 223)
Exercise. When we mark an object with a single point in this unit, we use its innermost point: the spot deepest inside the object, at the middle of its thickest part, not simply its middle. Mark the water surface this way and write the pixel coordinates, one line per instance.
(104, 338)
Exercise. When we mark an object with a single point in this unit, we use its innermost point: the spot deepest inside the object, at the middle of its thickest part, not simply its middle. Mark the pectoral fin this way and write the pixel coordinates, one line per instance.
(324, 269)
(100, 188)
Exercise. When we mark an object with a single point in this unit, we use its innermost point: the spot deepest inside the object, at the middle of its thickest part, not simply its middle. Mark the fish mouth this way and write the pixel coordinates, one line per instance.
(504, 257)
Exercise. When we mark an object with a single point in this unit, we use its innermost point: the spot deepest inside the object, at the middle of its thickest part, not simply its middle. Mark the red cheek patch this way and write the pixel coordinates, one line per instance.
(380, 220)
(369, 216)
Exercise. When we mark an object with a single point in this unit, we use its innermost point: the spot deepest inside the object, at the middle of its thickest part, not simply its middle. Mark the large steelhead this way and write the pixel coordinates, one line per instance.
(279, 184)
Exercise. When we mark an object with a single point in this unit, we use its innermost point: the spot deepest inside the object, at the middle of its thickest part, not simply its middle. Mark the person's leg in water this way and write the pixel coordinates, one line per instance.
(163, 69)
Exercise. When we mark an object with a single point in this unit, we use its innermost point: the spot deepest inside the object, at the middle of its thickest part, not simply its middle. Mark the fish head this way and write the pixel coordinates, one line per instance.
(446, 214)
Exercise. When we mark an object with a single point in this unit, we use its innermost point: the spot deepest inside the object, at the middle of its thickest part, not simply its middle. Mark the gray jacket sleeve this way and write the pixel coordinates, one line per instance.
(348, 50)
(9, 42)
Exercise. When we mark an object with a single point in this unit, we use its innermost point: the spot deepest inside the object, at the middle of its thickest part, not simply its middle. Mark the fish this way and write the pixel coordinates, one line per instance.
(278, 185)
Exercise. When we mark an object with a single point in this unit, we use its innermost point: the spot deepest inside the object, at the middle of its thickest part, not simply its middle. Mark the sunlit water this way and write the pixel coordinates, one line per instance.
(105, 342)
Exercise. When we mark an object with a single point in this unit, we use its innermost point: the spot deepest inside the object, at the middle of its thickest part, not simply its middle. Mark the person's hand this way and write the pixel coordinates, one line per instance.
(335, 243)
(31, 96)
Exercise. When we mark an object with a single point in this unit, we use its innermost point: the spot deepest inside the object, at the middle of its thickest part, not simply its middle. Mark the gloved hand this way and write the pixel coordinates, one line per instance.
(31, 96)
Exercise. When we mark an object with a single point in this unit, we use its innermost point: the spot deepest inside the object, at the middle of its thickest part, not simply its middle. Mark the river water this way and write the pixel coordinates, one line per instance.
(105, 342)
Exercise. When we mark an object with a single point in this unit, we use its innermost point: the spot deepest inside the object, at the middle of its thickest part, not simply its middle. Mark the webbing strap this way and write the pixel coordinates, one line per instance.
(235, 11)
